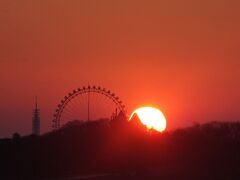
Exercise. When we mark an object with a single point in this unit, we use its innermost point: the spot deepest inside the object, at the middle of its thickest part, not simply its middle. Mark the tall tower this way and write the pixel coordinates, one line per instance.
(36, 119)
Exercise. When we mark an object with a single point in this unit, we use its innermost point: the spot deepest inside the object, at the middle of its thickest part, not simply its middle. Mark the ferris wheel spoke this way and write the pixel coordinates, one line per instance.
(110, 105)
(95, 102)
(70, 109)
(84, 101)
(68, 114)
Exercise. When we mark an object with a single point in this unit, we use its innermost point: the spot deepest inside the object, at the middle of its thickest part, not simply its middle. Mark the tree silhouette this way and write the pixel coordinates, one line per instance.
(124, 150)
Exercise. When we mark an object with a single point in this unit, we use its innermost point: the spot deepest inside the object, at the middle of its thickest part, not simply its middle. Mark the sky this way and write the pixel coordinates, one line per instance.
(180, 56)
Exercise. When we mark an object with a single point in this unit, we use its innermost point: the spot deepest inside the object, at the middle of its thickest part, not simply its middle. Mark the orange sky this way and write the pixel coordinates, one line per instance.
(182, 56)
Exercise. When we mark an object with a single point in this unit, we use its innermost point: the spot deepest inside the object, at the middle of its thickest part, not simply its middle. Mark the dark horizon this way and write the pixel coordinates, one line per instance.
(115, 150)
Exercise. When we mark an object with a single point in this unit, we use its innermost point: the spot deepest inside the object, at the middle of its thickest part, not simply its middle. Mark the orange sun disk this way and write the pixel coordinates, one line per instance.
(151, 117)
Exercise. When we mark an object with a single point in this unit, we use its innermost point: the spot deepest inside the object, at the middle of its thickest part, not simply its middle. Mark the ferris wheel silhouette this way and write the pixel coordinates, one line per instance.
(88, 103)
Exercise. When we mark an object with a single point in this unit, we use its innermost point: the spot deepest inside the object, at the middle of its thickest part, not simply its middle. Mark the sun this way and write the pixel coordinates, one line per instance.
(151, 117)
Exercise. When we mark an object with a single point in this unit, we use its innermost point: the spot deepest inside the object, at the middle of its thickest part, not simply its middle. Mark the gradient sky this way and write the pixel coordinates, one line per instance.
(181, 56)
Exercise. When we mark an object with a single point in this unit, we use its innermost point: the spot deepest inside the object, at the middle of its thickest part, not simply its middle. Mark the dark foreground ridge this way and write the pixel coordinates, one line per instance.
(103, 150)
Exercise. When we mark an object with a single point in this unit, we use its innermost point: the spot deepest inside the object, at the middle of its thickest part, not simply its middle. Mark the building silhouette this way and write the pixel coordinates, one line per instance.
(36, 119)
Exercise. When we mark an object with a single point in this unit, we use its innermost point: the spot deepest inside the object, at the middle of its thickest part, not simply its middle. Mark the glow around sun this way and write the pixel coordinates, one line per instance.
(151, 117)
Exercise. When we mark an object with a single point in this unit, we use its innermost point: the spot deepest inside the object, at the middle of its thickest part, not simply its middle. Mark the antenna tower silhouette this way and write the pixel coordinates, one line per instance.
(36, 119)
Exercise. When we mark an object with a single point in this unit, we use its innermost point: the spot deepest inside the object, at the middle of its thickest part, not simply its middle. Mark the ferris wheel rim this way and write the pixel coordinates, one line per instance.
(85, 89)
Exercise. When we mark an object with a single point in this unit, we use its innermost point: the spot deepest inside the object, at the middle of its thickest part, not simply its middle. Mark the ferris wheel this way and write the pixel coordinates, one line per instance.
(88, 103)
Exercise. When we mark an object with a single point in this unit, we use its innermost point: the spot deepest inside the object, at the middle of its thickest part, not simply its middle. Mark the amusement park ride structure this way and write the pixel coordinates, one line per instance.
(84, 95)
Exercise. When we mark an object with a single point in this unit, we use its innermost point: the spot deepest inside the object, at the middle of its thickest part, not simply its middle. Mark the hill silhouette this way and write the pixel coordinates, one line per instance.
(124, 150)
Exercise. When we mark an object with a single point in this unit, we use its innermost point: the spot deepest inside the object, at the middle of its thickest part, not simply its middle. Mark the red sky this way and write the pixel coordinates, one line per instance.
(181, 56)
